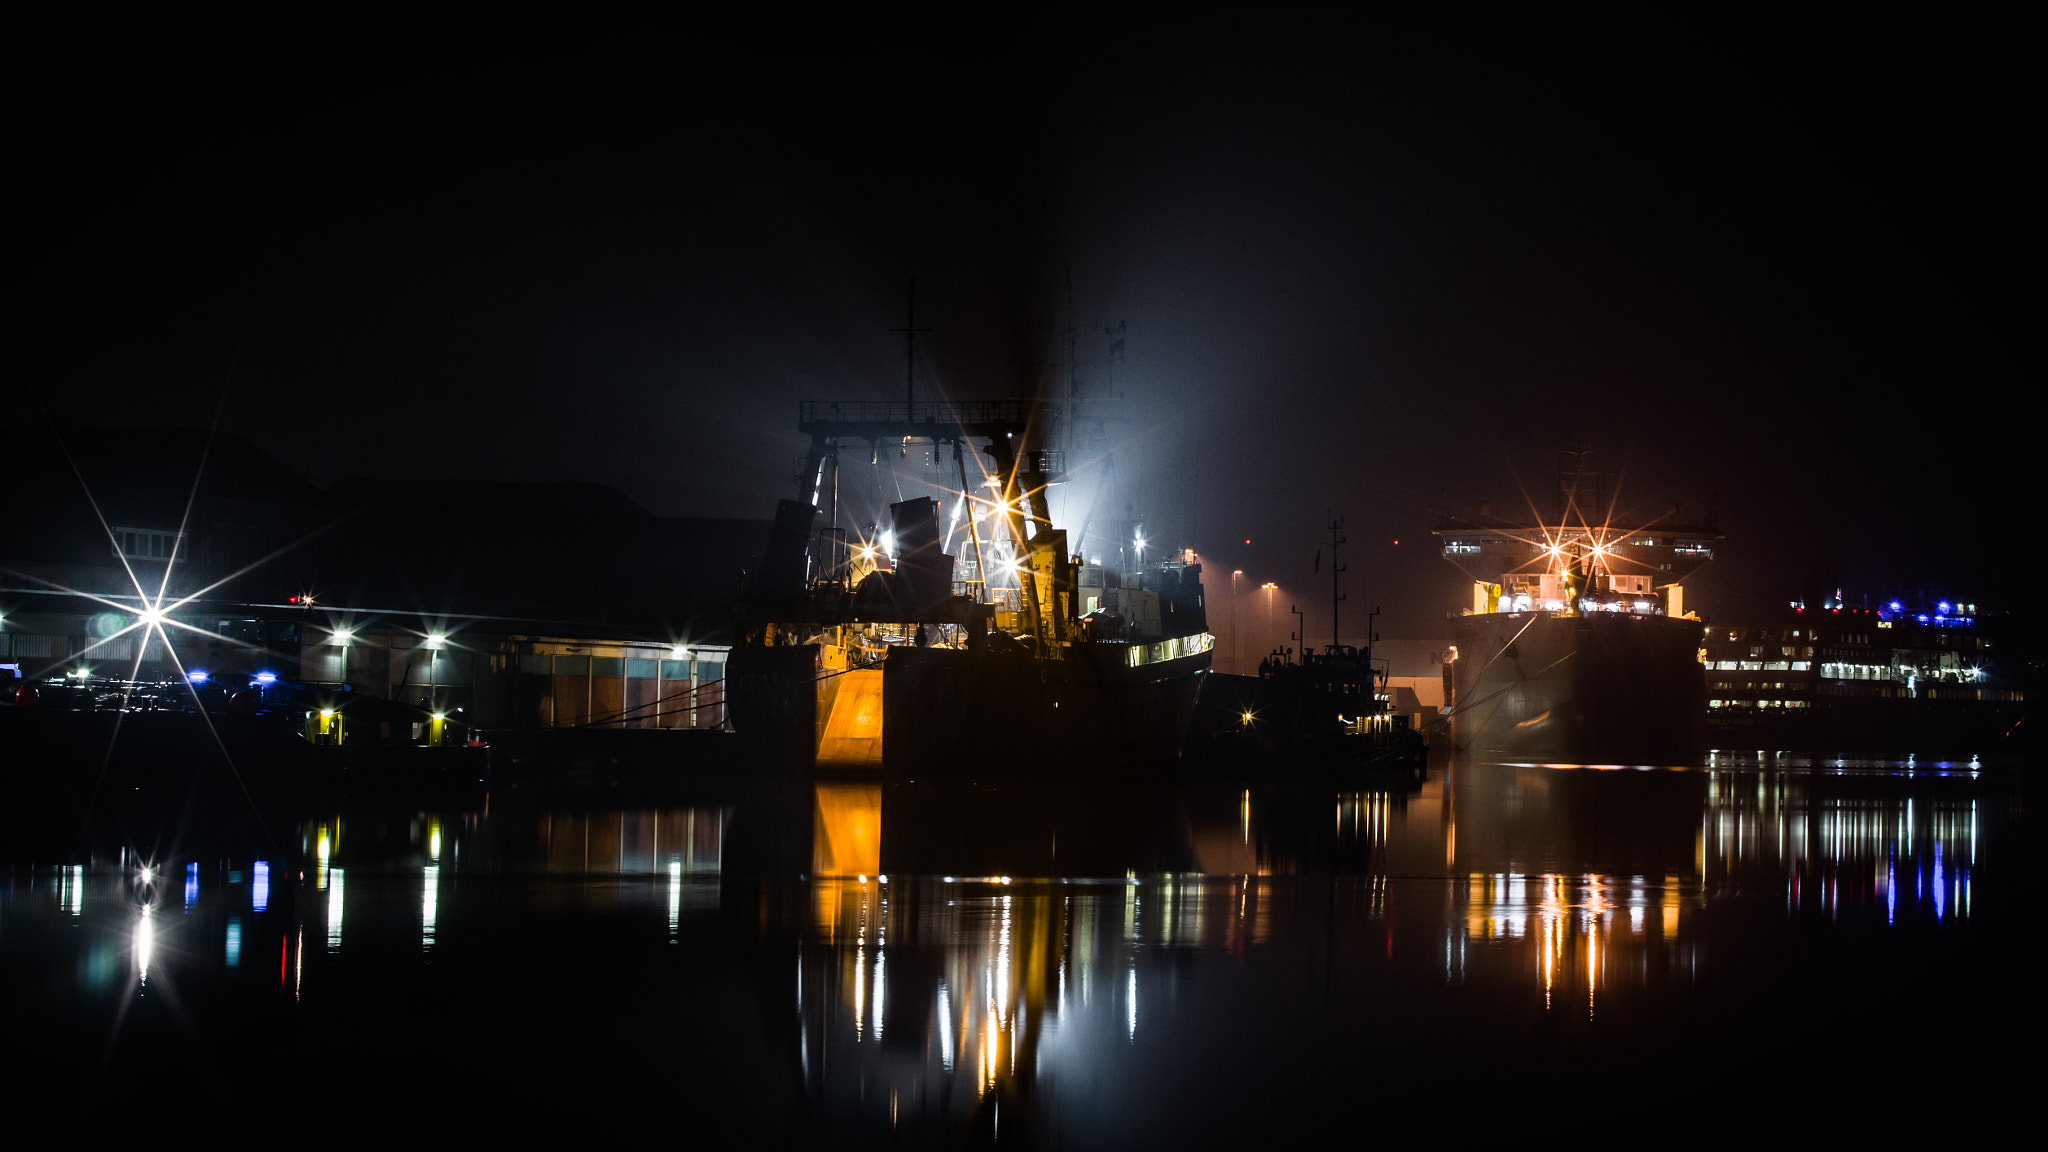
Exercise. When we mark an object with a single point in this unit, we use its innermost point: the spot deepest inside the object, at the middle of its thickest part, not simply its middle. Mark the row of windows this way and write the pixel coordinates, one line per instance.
(1759, 704)
(614, 667)
(144, 544)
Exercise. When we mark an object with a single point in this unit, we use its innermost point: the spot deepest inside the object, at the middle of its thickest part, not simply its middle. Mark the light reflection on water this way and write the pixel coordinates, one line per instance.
(1326, 931)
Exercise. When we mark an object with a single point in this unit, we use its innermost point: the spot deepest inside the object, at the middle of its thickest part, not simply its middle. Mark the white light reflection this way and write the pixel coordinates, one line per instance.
(145, 943)
(675, 901)
(71, 889)
(259, 886)
(430, 895)
(191, 885)
(945, 1027)
(336, 882)
(234, 948)
(1131, 993)
(881, 987)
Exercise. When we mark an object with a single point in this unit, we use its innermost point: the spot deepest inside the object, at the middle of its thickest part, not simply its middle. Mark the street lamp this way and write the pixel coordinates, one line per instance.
(1270, 588)
(1236, 633)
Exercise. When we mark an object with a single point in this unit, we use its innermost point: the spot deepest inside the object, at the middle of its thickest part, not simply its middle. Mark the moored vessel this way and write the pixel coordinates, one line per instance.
(1577, 647)
(925, 651)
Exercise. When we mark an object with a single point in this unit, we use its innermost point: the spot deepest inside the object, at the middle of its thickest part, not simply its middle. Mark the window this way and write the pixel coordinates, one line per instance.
(145, 543)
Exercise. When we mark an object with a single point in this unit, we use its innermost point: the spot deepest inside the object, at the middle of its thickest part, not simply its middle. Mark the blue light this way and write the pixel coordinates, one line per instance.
(196, 677)
(266, 677)
(1923, 619)
(259, 887)
(1895, 605)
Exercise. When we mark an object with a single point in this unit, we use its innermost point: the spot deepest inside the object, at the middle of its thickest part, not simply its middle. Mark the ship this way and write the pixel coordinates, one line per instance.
(1919, 673)
(1577, 647)
(984, 646)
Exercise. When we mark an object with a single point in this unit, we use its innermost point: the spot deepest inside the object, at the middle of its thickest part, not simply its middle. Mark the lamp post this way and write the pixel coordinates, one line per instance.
(1270, 588)
(1236, 633)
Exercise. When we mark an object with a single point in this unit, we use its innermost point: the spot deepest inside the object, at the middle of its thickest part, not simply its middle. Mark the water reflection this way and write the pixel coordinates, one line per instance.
(1838, 844)
(917, 965)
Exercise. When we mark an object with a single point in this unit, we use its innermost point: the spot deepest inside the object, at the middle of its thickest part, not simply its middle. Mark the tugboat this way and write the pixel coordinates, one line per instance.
(1577, 647)
(887, 654)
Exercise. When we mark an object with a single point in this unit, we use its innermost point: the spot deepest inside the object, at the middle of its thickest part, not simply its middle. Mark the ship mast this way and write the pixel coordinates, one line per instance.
(1336, 570)
(910, 331)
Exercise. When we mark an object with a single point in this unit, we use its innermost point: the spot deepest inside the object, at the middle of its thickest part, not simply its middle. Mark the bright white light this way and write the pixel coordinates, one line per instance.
(435, 640)
(679, 653)
(145, 943)
(336, 880)
(430, 903)
(196, 676)
(342, 636)
(153, 617)
(266, 677)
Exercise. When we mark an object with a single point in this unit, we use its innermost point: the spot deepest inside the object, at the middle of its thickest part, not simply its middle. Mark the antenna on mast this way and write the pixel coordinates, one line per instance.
(910, 331)
(1336, 570)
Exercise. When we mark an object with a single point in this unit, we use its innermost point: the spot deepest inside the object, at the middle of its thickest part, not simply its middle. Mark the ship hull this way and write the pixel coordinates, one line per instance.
(956, 713)
(951, 713)
(1603, 688)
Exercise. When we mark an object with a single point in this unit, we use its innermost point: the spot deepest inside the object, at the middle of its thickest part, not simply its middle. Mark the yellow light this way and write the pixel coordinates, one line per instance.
(327, 713)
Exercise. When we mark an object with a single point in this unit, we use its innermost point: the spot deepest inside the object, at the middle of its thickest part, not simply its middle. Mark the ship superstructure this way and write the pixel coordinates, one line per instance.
(1576, 646)
(978, 640)
(1925, 674)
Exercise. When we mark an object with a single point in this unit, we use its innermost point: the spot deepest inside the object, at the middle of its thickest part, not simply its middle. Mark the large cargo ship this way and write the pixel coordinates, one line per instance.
(984, 646)
(1577, 647)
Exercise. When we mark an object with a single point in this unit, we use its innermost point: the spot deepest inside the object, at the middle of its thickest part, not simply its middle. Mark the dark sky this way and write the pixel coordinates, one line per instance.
(1385, 271)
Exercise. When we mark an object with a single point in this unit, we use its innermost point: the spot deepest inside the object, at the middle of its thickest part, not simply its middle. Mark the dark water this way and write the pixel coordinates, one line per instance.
(1758, 947)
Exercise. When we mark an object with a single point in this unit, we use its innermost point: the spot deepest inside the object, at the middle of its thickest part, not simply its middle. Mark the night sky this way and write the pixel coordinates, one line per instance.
(1382, 271)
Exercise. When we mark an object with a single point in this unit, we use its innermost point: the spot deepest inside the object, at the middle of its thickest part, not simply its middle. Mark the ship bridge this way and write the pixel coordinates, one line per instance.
(1559, 567)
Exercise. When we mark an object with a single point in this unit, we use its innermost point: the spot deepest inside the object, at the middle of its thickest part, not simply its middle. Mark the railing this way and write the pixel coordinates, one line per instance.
(938, 413)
